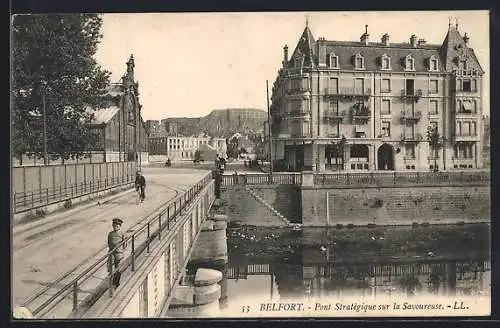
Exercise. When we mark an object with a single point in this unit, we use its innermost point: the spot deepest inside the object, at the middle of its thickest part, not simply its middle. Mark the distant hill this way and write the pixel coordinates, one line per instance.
(222, 122)
(226, 122)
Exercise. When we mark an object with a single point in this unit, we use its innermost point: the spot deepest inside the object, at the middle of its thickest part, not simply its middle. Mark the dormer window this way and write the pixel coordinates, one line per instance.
(359, 61)
(297, 61)
(409, 63)
(433, 64)
(386, 62)
(334, 60)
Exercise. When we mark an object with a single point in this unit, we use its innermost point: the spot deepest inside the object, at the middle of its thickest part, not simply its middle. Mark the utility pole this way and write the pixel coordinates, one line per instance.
(44, 118)
(269, 129)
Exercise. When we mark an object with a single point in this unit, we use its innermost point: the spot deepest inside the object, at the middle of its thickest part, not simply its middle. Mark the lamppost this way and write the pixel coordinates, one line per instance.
(44, 119)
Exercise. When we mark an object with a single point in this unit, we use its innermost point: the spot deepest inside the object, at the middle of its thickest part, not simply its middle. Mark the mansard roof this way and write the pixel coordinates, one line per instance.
(374, 51)
(448, 53)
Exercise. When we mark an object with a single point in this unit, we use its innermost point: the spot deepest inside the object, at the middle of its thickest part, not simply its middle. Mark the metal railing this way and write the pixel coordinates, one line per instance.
(382, 179)
(409, 115)
(416, 93)
(363, 178)
(262, 179)
(34, 199)
(140, 242)
(348, 91)
(411, 137)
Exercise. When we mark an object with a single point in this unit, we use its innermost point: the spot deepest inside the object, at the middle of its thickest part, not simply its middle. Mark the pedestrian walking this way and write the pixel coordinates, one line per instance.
(116, 247)
(140, 185)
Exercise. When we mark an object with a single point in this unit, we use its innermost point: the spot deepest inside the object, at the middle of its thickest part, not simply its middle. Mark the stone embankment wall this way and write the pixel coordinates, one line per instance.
(359, 206)
(395, 206)
(243, 207)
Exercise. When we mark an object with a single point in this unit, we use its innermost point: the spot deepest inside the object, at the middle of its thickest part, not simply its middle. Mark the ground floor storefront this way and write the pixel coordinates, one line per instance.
(358, 155)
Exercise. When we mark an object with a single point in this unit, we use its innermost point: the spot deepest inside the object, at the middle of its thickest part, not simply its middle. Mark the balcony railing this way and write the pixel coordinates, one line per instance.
(334, 116)
(360, 114)
(411, 94)
(415, 137)
(298, 112)
(292, 91)
(466, 113)
(299, 135)
(348, 92)
(409, 116)
(466, 137)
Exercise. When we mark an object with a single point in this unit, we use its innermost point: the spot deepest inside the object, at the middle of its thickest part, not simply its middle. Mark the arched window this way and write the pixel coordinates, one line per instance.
(433, 63)
(386, 62)
(334, 60)
(359, 61)
(409, 63)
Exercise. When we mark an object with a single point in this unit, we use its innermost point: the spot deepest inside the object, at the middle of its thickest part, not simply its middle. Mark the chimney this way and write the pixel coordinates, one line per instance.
(413, 40)
(421, 42)
(322, 56)
(285, 55)
(385, 39)
(364, 38)
(466, 39)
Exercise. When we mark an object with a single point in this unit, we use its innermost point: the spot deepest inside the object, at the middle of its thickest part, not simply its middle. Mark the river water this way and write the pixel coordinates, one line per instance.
(271, 264)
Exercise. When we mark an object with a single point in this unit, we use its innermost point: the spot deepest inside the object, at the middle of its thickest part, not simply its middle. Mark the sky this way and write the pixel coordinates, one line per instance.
(188, 64)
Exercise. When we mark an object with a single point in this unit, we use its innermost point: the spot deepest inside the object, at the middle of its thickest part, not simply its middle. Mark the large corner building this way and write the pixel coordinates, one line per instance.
(365, 106)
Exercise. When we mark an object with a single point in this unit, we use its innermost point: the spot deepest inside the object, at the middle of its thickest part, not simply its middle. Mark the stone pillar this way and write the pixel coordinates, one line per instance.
(211, 246)
(321, 156)
(200, 299)
(307, 179)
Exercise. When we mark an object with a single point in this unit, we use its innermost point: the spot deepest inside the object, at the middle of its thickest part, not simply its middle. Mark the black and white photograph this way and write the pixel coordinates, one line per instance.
(320, 164)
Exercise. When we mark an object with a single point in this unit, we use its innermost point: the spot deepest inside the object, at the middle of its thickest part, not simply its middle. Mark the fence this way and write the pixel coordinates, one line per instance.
(164, 225)
(37, 186)
(367, 179)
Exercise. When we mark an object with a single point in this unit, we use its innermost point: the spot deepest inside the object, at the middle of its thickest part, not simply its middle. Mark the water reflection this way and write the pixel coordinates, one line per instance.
(437, 260)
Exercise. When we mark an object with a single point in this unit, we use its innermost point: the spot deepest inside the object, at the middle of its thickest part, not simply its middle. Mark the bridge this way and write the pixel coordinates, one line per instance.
(65, 254)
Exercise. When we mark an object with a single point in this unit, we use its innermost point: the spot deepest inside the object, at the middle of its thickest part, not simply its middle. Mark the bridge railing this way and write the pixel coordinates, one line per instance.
(362, 178)
(139, 242)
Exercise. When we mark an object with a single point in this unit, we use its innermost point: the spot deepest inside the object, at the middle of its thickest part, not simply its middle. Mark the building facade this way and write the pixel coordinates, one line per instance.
(366, 106)
(121, 132)
(183, 148)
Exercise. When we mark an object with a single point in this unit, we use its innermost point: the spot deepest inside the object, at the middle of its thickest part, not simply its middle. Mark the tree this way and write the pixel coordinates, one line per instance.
(52, 60)
(340, 145)
(232, 147)
(435, 142)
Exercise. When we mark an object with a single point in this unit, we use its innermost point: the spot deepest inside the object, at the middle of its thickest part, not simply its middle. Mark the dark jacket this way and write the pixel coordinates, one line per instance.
(140, 181)
(114, 239)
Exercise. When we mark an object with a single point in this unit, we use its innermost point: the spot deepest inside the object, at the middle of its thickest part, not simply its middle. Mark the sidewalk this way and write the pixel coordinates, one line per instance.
(47, 249)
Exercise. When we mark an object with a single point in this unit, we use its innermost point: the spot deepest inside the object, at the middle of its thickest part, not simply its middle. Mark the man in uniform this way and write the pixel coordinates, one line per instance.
(140, 185)
(115, 238)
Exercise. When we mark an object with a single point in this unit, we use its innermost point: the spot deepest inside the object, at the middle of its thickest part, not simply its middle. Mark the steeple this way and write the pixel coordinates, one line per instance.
(130, 69)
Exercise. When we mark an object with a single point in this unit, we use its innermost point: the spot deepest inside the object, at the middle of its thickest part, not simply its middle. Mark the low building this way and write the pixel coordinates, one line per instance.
(181, 148)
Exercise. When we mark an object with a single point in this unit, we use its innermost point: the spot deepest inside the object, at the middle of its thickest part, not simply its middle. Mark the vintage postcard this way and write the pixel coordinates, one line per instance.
(250, 165)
